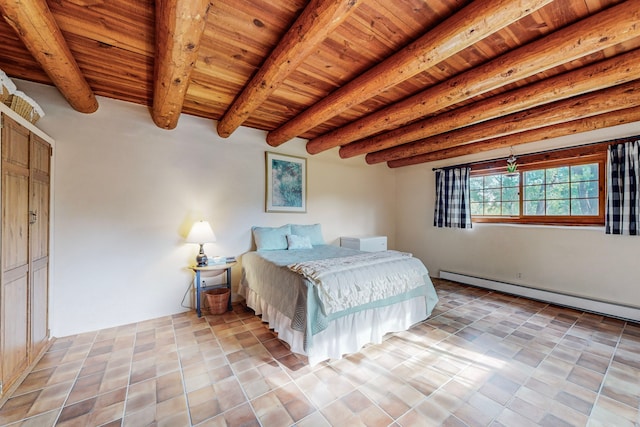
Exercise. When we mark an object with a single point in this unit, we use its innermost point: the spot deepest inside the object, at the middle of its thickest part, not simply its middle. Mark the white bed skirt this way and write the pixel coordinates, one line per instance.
(345, 335)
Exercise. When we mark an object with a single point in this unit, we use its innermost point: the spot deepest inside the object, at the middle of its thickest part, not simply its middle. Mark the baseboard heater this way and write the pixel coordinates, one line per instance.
(585, 304)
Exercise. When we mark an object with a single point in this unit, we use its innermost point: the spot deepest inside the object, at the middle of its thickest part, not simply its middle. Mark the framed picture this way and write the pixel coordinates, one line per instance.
(286, 183)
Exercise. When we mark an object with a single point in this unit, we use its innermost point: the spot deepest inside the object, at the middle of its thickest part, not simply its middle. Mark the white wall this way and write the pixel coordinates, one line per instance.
(127, 192)
(580, 261)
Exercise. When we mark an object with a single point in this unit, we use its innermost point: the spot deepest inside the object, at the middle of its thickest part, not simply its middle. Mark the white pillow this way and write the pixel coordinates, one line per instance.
(271, 238)
(298, 242)
(312, 231)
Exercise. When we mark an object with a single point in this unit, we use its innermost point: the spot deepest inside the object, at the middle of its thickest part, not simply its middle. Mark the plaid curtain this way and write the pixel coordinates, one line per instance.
(623, 189)
(452, 198)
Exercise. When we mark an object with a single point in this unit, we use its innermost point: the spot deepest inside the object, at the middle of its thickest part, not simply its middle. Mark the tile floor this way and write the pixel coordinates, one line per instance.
(482, 359)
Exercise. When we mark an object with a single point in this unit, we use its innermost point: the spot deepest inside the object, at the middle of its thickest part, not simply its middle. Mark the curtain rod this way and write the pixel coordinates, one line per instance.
(553, 150)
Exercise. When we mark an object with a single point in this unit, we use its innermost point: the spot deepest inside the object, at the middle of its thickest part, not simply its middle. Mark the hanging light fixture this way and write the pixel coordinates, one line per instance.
(512, 165)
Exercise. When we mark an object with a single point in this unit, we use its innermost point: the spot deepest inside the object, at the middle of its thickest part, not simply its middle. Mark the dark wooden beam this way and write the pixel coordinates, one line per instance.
(312, 27)
(613, 71)
(35, 25)
(601, 121)
(179, 28)
(605, 29)
(591, 104)
(470, 25)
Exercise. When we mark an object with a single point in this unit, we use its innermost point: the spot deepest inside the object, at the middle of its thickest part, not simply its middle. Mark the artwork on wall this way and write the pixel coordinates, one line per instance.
(286, 183)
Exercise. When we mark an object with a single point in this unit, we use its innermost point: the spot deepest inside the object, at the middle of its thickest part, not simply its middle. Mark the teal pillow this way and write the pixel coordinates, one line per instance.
(298, 242)
(271, 238)
(312, 231)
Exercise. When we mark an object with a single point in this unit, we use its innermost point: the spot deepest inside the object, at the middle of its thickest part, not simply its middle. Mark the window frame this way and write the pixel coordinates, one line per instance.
(560, 158)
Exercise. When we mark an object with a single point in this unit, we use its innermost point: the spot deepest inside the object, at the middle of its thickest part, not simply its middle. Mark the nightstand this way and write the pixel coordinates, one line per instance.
(367, 244)
(213, 270)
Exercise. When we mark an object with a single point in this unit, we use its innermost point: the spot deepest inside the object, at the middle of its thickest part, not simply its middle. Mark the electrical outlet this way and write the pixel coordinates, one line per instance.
(518, 275)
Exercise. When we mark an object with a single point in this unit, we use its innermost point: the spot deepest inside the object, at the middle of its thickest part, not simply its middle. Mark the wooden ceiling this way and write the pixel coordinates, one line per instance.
(400, 81)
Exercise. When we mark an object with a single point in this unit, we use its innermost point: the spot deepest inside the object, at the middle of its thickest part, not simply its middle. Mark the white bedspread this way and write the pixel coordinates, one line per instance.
(290, 301)
(359, 279)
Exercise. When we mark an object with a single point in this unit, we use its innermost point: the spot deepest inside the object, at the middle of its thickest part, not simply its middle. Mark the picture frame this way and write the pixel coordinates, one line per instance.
(286, 183)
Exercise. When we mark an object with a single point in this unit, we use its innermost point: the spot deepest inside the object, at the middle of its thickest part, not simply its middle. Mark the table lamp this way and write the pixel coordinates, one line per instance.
(201, 233)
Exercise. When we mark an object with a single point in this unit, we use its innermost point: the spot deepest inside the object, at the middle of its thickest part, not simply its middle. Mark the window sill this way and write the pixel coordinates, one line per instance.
(556, 227)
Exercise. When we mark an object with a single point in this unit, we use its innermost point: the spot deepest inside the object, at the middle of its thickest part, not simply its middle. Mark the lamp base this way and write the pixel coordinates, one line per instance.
(202, 259)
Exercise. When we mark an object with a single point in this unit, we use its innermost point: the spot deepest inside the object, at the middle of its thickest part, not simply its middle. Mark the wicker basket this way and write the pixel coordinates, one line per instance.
(24, 106)
(217, 300)
(5, 95)
(7, 88)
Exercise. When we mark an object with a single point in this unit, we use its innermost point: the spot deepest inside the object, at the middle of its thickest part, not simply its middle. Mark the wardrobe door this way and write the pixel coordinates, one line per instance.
(15, 251)
(39, 243)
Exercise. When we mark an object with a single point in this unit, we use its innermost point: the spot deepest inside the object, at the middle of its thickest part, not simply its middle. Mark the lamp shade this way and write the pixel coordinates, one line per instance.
(201, 232)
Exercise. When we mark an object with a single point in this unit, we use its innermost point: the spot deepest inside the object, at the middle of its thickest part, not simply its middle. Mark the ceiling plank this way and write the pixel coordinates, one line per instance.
(619, 69)
(603, 101)
(601, 121)
(473, 23)
(605, 29)
(35, 25)
(318, 20)
(179, 28)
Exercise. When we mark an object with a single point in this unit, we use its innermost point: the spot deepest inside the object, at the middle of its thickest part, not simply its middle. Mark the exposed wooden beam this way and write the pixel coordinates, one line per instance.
(578, 152)
(179, 28)
(35, 25)
(312, 27)
(605, 29)
(612, 99)
(470, 25)
(613, 71)
(587, 124)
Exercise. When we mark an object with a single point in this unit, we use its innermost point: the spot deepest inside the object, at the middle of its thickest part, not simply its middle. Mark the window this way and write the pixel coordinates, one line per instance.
(495, 194)
(544, 190)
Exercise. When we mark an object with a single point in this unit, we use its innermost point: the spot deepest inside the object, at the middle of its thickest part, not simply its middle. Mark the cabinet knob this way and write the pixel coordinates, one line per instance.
(33, 217)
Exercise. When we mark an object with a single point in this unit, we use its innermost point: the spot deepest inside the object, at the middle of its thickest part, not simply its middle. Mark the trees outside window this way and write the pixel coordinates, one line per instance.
(563, 190)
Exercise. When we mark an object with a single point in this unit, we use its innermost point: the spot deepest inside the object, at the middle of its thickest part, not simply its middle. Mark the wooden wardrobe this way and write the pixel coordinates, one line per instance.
(24, 262)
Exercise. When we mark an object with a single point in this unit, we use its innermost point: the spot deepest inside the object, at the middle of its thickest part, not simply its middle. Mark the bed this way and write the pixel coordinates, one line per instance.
(326, 301)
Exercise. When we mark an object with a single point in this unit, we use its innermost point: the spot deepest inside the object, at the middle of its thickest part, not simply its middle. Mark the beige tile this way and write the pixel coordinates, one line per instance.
(109, 407)
(427, 413)
(595, 363)
(240, 416)
(141, 396)
(509, 418)
(46, 419)
(173, 411)
(270, 411)
(551, 369)
(77, 413)
(143, 417)
(609, 412)
(203, 404)
(85, 387)
(115, 378)
(169, 386)
(586, 378)
(622, 383)
(392, 395)
(214, 399)
(483, 358)
(262, 379)
(355, 409)
(50, 398)
(314, 420)
(17, 407)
